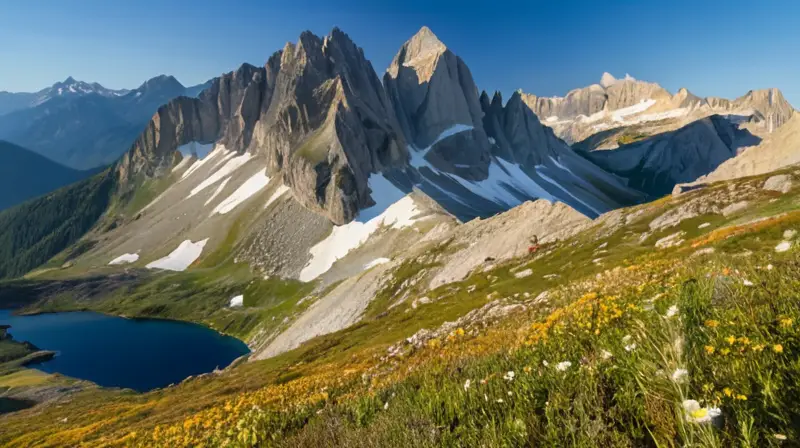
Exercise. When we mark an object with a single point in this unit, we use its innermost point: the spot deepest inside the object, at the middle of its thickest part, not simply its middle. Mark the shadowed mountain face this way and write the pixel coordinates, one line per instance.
(656, 164)
(83, 125)
(25, 175)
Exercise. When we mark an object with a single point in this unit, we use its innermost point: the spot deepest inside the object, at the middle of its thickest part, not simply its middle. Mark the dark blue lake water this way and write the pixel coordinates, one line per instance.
(139, 354)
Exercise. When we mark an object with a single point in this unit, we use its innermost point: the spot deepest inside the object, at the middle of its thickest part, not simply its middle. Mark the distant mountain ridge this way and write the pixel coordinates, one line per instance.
(84, 125)
(615, 103)
(10, 102)
(25, 175)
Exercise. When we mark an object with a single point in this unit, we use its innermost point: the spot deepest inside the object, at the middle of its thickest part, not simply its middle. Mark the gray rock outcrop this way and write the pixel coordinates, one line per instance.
(316, 110)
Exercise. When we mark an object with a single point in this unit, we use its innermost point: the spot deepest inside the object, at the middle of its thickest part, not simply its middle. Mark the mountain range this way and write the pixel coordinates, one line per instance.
(84, 125)
(317, 121)
(383, 238)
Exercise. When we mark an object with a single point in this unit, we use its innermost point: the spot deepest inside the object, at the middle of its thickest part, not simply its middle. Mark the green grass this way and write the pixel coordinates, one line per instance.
(344, 388)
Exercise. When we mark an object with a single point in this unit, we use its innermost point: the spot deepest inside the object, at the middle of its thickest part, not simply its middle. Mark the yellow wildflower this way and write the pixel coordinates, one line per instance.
(777, 348)
(527, 369)
(724, 351)
(727, 391)
(730, 340)
(709, 349)
(711, 323)
(744, 340)
(758, 347)
(460, 332)
(786, 322)
(741, 397)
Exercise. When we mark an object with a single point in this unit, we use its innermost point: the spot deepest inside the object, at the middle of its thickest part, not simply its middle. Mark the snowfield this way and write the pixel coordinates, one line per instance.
(218, 190)
(124, 259)
(181, 258)
(350, 236)
(243, 193)
(229, 167)
(237, 301)
(218, 151)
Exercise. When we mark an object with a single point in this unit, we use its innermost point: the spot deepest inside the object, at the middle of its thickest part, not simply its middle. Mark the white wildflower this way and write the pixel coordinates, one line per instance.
(510, 393)
(697, 414)
(564, 365)
(509, 376)
(386, 406)
(769, 267)
(467, 384)
(500, 400)
(672, 311)
(747, 282)
(679, 374)
(630, 347)
(545, 363)
(779, 436)
(605, 354)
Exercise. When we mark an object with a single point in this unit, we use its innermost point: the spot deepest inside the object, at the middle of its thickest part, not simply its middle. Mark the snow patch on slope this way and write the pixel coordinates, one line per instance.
(124, 259)
(180, 258)
(504, 177)
(218, 150)
(218, 190)
(249, 188)
(278, 193)
(187, 161)
(350, 236)
(229, 167)
(620, 114)
(237, 301)
(376, 262)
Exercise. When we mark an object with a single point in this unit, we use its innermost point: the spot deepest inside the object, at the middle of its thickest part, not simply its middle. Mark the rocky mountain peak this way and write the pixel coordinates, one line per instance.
(607, 80)
(420, 53)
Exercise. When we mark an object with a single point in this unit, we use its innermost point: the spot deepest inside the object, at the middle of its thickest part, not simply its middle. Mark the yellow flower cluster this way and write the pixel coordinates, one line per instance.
(590, 314)
(230, 421)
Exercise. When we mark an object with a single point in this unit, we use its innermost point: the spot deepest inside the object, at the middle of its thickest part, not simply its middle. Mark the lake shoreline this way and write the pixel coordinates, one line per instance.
(127, 356)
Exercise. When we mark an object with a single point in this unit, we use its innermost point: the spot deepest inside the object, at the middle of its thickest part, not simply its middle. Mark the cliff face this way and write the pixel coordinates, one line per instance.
(324, 124)
(316, 110)
(432, 91)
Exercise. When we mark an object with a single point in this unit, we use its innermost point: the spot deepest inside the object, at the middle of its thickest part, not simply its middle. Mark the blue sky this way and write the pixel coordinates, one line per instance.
(547, 48)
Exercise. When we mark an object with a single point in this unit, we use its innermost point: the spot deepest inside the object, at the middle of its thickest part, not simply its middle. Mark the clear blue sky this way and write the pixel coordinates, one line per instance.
(721, 48)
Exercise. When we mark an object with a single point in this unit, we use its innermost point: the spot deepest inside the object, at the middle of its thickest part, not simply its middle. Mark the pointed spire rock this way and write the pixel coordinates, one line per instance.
(607, 80)
(420, 52)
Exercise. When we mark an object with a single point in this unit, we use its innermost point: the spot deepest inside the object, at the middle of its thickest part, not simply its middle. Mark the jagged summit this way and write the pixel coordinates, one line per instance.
(420, 52)
(607, 80)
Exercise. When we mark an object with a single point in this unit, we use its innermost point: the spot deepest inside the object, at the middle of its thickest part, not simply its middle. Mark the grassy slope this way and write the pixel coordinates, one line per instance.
(33, 232)
(25, 175)
(343, 389)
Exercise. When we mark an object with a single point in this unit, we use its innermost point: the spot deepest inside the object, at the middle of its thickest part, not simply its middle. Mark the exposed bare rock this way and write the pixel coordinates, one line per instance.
(339, 309)
(676, 239)
(432, 90)
(780, 182)
(655, 165)
(777, 150)
(506, 236)
(687, 210)
(316, 111)
(735, 208)
(617, 107)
